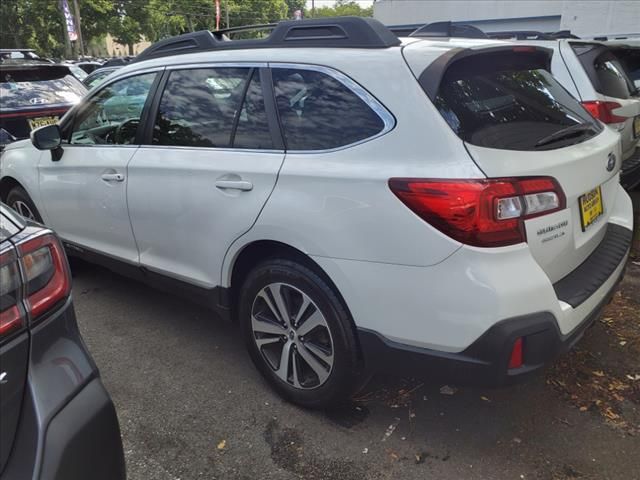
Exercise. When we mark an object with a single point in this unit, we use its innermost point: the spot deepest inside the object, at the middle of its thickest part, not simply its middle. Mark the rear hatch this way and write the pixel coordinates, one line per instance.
(517, 121)
(34, 95)
(14, 338)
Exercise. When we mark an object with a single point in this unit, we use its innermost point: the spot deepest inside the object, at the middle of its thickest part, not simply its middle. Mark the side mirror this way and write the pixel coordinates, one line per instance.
(48, 138)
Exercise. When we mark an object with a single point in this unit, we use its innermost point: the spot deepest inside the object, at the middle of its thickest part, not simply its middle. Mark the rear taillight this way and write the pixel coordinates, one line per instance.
(483, 212)
(11, 316)
(603, 111)
(46, 274)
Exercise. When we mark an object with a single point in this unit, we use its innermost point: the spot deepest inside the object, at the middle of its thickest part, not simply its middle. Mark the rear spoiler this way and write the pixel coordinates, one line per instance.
(485, 58)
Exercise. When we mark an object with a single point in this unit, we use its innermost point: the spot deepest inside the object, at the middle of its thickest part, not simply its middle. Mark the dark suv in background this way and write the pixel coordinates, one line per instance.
(57, 422)
(34, 93)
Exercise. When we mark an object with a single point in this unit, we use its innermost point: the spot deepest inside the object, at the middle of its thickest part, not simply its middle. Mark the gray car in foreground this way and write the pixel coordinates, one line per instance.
(57, 421)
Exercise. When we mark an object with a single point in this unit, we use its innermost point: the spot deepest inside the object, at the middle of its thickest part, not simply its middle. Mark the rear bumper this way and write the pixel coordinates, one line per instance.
(485, 362)
(630, 173)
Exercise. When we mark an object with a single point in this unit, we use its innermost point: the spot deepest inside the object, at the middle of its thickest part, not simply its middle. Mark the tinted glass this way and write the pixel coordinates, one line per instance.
(198, 107)
(511, 109)
(318, 112)
(96, 77)
(611, 76)
(112, 115)
(38, 86)
(253, 128)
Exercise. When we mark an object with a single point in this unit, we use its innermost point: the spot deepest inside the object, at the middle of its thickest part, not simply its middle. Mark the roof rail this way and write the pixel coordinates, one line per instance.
(448, 29)
(404, 30)
(530, 35)
(336, 32)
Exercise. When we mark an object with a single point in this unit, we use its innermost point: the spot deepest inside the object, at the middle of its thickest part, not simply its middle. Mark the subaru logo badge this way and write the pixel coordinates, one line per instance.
(611, 163)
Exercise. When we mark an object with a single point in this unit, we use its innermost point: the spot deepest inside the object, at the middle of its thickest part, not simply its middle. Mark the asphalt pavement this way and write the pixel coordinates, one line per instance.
(192, 406)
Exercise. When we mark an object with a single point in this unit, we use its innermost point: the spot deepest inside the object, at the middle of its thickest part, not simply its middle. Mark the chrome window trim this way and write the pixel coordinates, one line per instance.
(213, 149)
(209, 64)
(378, 108)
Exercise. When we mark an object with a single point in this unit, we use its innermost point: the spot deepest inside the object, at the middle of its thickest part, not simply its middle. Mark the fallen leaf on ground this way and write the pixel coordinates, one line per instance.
(222, 445)
(447, 390)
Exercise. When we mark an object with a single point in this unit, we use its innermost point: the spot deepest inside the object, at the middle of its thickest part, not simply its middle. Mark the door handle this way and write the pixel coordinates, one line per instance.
(112, 177)
(234, 185)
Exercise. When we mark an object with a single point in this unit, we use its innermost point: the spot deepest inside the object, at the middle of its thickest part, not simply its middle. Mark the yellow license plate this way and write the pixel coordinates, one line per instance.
(42, 121)
(636, 127)
(591, 207)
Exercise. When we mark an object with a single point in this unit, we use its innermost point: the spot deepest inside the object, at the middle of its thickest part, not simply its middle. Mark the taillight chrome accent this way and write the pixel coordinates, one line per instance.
(47, 277)
(603, 111)
(11, 317)
(480, 212)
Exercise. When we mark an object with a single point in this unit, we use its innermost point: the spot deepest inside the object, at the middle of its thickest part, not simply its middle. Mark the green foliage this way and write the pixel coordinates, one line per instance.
(343, 8)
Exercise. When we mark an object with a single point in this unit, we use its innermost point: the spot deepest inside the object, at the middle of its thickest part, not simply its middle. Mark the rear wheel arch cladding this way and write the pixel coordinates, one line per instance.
(256, 252)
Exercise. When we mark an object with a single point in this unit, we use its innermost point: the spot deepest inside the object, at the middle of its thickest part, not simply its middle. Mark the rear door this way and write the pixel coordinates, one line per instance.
(14, 338)
(211, 162)
(517, 121)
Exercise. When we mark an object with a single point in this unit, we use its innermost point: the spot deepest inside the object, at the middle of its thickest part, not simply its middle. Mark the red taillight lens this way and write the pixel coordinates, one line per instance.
(483, 212)
(603, 111)
(515, 361)
(47, 278)
(11, 318)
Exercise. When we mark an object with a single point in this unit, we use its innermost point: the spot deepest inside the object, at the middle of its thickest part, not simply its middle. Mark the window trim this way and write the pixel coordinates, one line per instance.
(372, 102)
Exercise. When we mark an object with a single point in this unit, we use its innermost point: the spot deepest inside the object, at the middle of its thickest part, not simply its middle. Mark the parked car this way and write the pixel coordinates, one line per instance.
(97, 75)
(34, 94)
(58, 421)
(357, 202)
(89, 66)
(77, 72)
(592, 73)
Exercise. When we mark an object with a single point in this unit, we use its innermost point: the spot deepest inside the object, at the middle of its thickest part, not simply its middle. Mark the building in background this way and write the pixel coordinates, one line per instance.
(584, 18)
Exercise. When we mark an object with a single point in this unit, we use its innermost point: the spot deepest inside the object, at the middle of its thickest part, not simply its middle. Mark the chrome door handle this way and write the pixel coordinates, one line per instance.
(112, 177)
(234, 185)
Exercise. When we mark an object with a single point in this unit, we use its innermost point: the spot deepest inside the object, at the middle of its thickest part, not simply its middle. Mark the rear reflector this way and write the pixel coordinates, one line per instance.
(47, 278)
(603, 111)
(515, 361)
(482, 212)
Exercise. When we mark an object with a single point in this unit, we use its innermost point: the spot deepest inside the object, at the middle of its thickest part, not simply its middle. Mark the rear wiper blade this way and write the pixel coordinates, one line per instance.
(565, 133)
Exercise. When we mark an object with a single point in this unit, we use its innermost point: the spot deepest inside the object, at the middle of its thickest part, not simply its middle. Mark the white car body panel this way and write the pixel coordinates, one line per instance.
(174, 200)
(83, 207)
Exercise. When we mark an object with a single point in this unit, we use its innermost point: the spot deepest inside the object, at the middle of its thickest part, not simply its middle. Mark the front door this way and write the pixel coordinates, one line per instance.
(210, 167)
(85, 192)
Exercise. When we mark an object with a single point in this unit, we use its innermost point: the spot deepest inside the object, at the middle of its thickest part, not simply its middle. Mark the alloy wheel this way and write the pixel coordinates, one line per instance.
(23, 209)
(292, 335)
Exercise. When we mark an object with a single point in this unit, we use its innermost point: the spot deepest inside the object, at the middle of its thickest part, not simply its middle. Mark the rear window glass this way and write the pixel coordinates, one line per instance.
(38, 87)
(520, 109)
(612, 77)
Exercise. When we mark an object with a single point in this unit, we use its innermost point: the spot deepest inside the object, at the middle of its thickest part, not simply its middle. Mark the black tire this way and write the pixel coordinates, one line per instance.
(18, 196)
(344, 372)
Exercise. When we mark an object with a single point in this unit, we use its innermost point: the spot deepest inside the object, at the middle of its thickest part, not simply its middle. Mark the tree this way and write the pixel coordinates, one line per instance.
(294, 5)
(128, 22)
(344, 7)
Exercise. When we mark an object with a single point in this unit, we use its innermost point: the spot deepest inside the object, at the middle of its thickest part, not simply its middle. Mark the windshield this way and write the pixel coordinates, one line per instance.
(512, 109)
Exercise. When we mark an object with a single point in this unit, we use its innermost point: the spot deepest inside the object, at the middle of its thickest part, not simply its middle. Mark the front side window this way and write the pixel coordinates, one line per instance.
(318, 112)
(213, 107)
(112, 115)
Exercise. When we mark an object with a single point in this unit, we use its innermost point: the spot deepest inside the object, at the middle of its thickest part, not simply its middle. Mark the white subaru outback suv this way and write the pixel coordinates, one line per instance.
(356, 201)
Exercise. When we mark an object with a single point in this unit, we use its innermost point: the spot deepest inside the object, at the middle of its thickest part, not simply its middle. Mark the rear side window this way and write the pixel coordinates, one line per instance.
(203, 107)
(611, 75)
(38, 86)
(509, 105)
(319, 112)
(604, 69)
